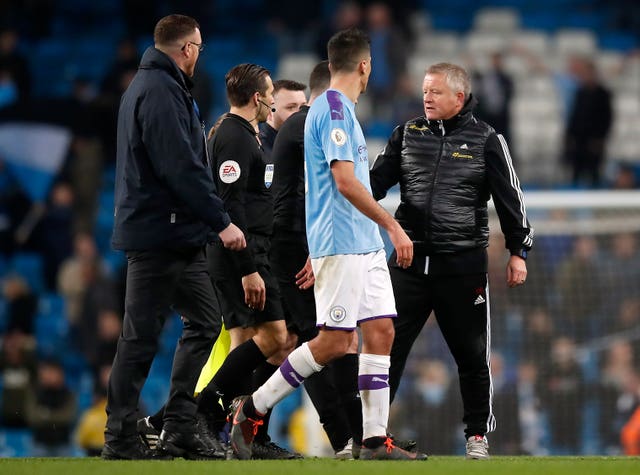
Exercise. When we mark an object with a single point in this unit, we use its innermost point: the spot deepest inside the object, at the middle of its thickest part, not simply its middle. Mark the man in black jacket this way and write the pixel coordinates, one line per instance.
(448, 164)
(165, 211)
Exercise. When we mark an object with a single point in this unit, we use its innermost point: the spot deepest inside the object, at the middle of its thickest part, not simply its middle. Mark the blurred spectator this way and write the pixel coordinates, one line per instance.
(537, 335)
(506, 439)
(102, 350)
(8, 89)
(630, 401)
(389, 49)
(22, 304)
(90, 431)
(430, 410)
(627, 321)
(292, 27)
(75, 274)
(625, 177)
(530, 415)
(18, 373)
(105, 107)
(615, 374)
(53, 234)
(562, 393)
(406, 104)
(348, 14)
(127, 59)
(619, 271)
(51, 411)
(100, 300)
(14, 206)
(577, 284)
(14, 67)
(494, 90)
(588, 126)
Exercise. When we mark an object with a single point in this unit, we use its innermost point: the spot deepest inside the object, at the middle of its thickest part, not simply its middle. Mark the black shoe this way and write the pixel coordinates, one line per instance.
(188, 445)
(148, 433)
(269, 450)
(408, 445)
(389, 451)
(209, 429)
(130, 448)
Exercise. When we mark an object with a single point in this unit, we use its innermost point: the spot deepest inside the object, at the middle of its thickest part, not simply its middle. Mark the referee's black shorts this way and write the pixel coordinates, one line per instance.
(227, 282)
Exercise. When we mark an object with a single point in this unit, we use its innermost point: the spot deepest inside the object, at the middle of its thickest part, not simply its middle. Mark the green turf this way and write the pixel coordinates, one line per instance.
(435, 465)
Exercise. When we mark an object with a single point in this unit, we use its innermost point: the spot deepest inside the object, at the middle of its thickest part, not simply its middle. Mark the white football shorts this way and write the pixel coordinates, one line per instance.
(352, 288)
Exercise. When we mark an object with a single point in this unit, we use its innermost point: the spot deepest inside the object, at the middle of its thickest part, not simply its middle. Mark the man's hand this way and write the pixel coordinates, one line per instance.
(305, 278)
(233, 238)
(403, 245)
(516, 271)
(255, 293)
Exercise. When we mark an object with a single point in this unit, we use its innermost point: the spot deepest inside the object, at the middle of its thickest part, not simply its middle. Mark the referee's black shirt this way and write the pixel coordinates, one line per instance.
(243, 179)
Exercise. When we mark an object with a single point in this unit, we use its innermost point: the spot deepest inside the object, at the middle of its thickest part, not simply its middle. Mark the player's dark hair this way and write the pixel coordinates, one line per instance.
(347, 48)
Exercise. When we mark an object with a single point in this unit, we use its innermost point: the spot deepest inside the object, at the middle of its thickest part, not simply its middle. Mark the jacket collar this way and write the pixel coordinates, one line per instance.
(153, 58)
(445, 127)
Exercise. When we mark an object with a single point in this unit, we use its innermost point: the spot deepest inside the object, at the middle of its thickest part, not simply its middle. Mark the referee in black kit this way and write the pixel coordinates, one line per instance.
(448, 165)
(248, 291)
(165, 211)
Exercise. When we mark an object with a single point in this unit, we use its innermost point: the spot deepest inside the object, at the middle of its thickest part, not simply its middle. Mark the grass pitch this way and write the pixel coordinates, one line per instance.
(319, 466)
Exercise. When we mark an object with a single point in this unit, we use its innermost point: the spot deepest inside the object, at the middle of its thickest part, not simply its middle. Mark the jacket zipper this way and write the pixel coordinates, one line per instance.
(433, 185)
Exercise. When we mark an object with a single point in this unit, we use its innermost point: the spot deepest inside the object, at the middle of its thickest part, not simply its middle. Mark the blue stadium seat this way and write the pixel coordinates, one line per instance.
(618, 41)
(30, 266)
(155, 390)
(16, 443)
(51, 332)
(451, 21)
(541, 20)
(51, 303)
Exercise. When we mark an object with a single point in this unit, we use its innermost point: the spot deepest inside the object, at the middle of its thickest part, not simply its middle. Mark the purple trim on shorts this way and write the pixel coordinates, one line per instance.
(373, 381)
(335, 105)
(290, 375)
(327, 327)
(393, 315)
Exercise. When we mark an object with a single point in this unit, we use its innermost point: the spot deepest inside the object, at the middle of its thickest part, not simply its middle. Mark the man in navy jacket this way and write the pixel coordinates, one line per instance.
(166, 210)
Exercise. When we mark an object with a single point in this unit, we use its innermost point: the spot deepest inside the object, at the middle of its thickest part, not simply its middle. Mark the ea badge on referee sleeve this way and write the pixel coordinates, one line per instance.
(268, 175)
(338, 137)
(229, 171)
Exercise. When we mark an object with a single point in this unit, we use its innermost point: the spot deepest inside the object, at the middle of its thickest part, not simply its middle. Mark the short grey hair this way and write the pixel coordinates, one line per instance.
(456, 77)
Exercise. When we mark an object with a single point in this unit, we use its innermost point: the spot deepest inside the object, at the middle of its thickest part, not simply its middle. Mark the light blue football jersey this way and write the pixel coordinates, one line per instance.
(334, 225)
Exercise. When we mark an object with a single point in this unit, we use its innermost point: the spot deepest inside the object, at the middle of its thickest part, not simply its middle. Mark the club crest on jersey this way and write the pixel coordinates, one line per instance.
(268, 175)
(229, 171)
(337, 313)
(338, 137)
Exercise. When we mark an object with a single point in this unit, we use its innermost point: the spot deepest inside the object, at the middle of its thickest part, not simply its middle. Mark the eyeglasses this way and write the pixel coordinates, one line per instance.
(200, 46)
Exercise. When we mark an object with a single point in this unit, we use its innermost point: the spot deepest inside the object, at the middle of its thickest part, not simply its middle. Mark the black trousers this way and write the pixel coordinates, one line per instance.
(288, 255)
(158, 281)
(460, 305)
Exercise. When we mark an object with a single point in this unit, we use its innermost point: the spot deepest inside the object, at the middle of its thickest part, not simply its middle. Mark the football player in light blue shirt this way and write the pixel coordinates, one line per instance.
(334, 225)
